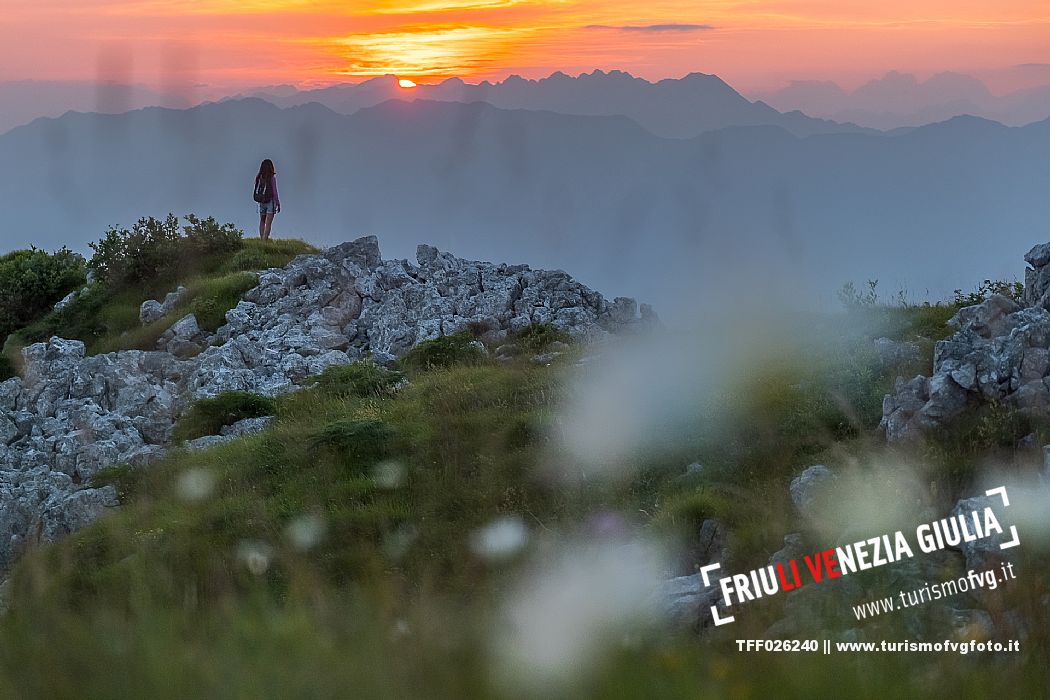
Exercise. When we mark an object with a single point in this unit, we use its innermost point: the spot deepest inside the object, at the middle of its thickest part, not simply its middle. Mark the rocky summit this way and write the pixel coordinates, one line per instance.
(999, 353)
(71, 415)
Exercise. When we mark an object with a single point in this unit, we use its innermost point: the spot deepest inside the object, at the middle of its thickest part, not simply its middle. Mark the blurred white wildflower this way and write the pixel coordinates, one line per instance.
(195, 484)
(578, 602)
(501, 539)
(388, 474)
(397, 542)
(255, 555)
(305, 531)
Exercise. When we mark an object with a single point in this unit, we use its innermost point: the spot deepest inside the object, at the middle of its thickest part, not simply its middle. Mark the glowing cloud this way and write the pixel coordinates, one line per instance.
(750, 43)
(439, 50)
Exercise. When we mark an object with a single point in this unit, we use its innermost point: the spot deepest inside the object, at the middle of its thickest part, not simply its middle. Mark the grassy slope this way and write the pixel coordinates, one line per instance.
(160, 598)
(168, 596)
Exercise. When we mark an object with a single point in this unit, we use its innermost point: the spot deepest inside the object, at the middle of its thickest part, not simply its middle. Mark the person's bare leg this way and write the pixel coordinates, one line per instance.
(262, 226)
(268, 225)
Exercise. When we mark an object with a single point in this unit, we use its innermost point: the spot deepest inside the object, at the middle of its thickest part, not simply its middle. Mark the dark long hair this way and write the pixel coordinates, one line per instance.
(266, 171)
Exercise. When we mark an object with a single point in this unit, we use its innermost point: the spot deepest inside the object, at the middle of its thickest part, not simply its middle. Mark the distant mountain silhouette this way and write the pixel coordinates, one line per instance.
(22, 101)
(731, 214)
(675, 108)
(901, 100)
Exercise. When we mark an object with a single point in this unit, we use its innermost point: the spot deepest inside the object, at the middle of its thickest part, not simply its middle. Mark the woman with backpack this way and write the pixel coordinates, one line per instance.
(267, 197)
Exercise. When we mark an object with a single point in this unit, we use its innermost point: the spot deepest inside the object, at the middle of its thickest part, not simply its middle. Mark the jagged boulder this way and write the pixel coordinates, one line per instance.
(1037, 277)
(348, 303)
(1000, 353)
(152, 310)
(686, 602)
(892, 353)
(38, 504)
(76, 414)
(810, 489)
(984, 553)
(185, 338)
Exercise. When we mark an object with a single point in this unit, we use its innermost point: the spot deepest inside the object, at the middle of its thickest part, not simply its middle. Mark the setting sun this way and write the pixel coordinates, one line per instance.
(752, 45)
(406, 83)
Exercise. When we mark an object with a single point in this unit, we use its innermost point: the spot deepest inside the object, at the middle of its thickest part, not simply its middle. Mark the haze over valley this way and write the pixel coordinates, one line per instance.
(748, 209)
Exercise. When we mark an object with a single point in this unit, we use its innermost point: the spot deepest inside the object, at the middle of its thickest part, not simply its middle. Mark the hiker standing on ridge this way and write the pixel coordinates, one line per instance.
(267, 197)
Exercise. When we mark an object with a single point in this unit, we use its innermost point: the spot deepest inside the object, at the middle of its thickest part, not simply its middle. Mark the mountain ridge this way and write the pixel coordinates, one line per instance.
(675, 107)
(902, 100)
(598, 195)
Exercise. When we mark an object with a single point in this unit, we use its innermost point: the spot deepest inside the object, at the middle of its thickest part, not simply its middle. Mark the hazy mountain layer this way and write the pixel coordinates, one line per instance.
(732, 215)
(676, 108)
(901, 100)
(22, 101)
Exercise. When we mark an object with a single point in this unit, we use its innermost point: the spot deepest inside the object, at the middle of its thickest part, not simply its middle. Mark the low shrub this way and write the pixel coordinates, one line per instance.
(689, 509)
(852, 298)
(209, 416)
(82, 319)
(32, 281)
(446, 351)
(144, 252)
(154, 249)
(1011, 289)
(146, 262)
(207, 236)
(363, 378)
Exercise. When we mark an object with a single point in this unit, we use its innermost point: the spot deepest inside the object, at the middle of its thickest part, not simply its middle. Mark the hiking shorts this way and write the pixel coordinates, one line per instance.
(267, 208)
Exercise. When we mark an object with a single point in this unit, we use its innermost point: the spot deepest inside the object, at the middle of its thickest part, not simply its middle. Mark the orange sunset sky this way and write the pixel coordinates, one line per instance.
(753, 44)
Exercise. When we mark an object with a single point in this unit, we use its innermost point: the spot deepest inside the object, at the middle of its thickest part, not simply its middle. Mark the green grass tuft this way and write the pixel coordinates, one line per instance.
(208, 416)
(362, 378)
(537, 337)
(363, 443)
(8, 369)
(256, 254)
(125, 478)
(991, 431)
(446, 351)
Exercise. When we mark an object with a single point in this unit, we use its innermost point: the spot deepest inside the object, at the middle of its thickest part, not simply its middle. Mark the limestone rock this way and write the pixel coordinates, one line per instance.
(184, 339)
(988, 319)
(66, 300)
(984, 553)
(38, 505)
(348, 303)
(508, 350)
(152, 310)
(208, 441)
(810, 488)
(248, 426)
(794, 548)
(686, 602)
(1037, 277)
(892, 353)
(999, 353)
(546, 359)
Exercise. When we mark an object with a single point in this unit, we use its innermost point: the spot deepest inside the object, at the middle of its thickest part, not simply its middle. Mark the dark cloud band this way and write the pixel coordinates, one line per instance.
(654, 27)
